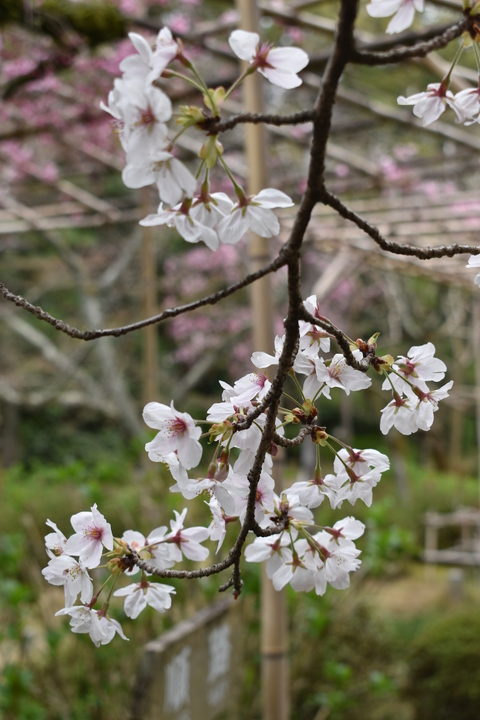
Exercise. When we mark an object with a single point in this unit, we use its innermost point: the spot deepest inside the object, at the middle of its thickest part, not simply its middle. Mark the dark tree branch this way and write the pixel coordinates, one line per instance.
(214, 126)
(425, 253)
(342, 339)
(420, 49)
(293, 442)
(212, 299)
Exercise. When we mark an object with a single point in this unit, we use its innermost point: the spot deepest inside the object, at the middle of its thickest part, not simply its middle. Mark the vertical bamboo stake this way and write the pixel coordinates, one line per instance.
(475, 348)
(148, 274)
(274, 641)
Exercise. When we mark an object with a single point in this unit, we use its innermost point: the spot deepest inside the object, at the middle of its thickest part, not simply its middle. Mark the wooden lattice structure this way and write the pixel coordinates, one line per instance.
(464, 523)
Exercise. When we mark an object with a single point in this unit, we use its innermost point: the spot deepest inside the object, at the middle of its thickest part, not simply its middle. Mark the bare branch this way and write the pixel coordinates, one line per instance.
(424, 253)
(211, 299)
(298, 440)
(421, 49)
(213, 125)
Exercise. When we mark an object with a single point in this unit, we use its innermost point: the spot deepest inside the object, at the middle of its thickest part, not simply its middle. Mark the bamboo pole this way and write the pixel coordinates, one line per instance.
(476, 362)
(274, 640)
(148, 273)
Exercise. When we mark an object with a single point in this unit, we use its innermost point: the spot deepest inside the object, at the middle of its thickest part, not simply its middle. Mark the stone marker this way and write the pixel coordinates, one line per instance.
(189, 672)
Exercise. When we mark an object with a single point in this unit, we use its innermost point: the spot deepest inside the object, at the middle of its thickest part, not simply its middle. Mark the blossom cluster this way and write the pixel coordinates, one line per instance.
(236, 481)
(142, 112)
(296, 549)
(72, 558)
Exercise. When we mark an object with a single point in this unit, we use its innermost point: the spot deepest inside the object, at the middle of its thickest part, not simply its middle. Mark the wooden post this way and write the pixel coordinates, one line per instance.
(274, 641)
(476, 362)
(149, 278)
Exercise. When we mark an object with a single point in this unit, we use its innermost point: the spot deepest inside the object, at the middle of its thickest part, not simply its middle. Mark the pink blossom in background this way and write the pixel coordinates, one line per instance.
(341, 170)
(405, 152)
(179, 23)
(392, 172)
(229, 16)
(295, 35)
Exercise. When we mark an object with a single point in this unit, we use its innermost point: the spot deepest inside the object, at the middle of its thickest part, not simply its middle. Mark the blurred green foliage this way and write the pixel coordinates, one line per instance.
(444, 668)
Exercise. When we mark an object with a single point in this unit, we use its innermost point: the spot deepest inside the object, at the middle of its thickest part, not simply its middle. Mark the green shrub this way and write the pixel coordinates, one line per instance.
(444, 672)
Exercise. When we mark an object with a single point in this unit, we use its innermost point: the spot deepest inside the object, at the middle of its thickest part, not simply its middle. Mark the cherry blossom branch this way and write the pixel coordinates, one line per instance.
(293, 442)
(86, 335)
(342, 339)
(421, 49)
(424, 253)
(214, 126)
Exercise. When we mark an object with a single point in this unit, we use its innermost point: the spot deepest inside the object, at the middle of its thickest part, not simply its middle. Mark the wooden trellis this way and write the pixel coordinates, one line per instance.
(465, 523)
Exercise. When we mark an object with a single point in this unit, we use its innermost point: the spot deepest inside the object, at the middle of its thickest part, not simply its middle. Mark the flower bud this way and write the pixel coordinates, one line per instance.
(190, 115)
(319, 435)
(211, 151)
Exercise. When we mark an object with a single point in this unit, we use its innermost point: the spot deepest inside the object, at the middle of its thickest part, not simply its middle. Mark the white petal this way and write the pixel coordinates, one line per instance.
(244, 44)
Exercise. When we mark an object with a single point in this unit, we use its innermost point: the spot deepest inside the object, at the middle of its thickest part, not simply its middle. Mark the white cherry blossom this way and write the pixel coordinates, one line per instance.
(361, 461)
(270, 550)
(428, 404)
(177, 433)
(403, 12)
(249, 387)
(218, 526)
(264, 360)
(150, 63)
(187, 541)
(468, 104)
(142, 112)
(101, 628)
(54, 541)
(152, 548)
(474, 261)
(401, 414)
(253, 213)
(173, 180)
(186, 222)
(279, 65)
(313, 492)
(139, 595)
(419, 365)
(70, 573)
(306, 363)
(338, 374)
(93, 533)
(311, 336)
(429, 105)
